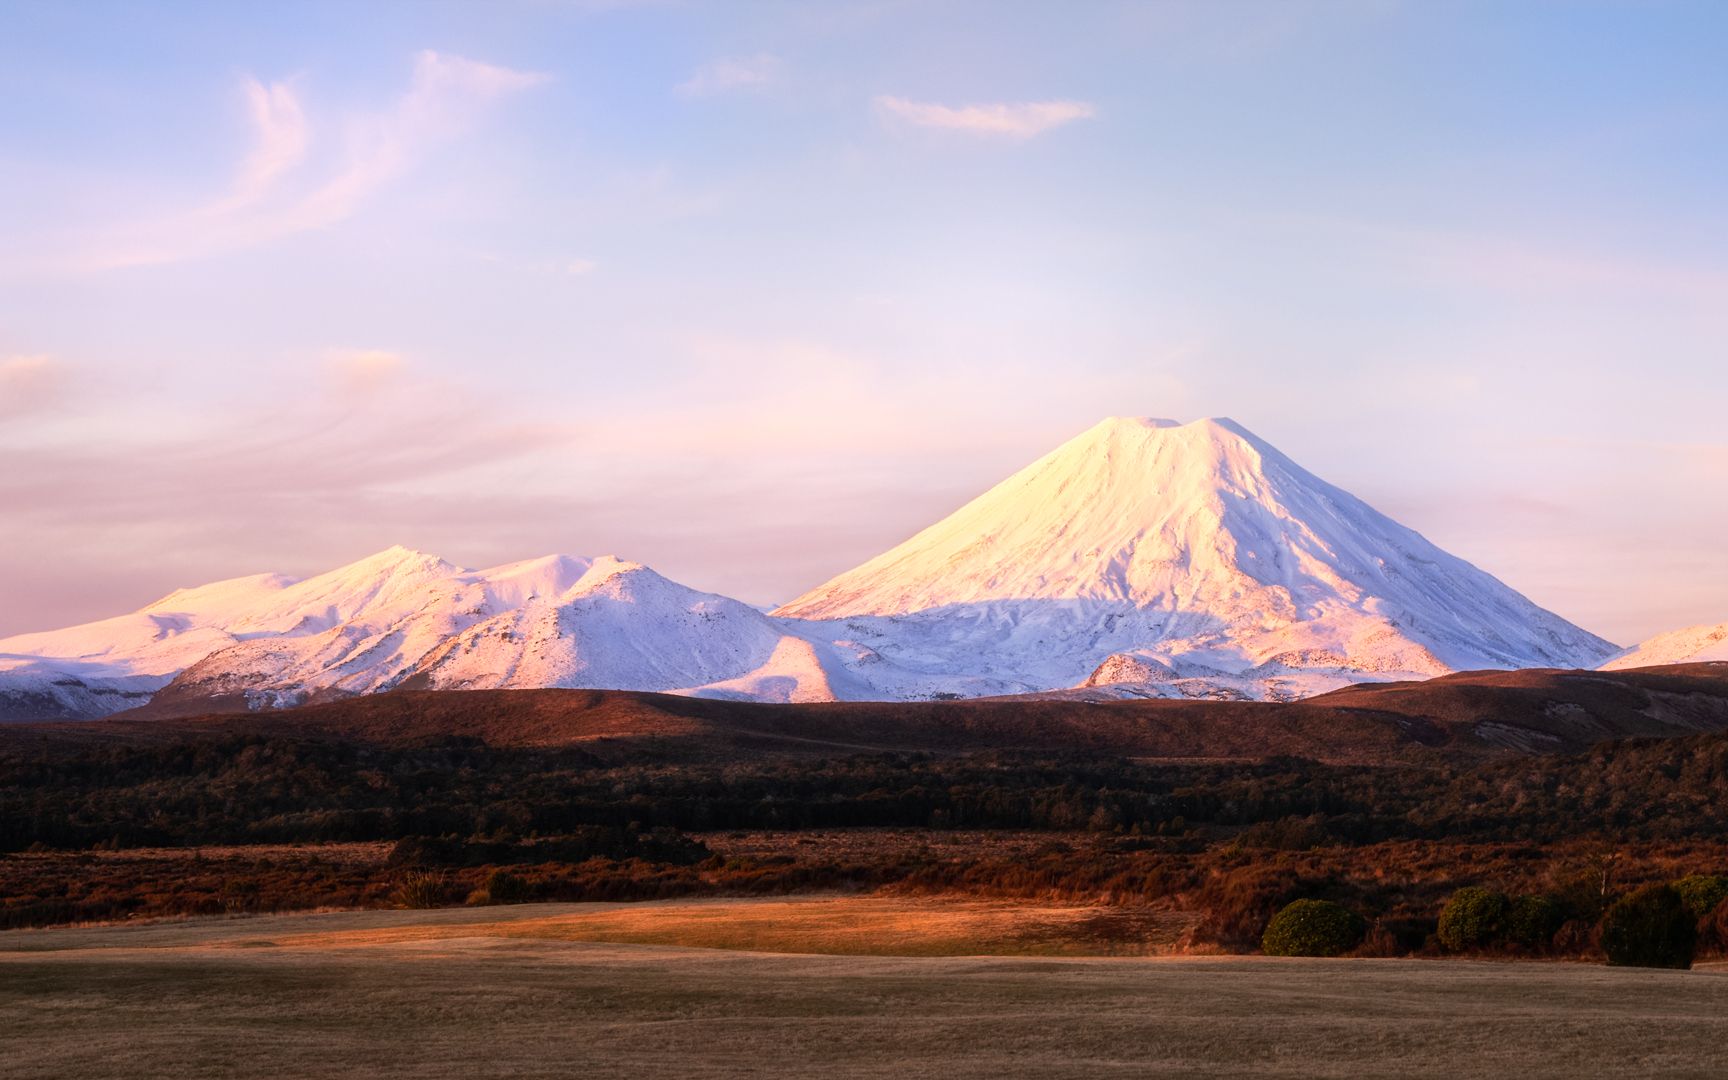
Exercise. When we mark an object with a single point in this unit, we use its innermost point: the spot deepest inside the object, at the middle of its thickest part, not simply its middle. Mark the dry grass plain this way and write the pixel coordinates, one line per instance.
(603, 990)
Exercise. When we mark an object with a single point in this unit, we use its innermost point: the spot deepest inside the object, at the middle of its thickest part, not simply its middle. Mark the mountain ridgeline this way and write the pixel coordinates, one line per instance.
(1143, 558)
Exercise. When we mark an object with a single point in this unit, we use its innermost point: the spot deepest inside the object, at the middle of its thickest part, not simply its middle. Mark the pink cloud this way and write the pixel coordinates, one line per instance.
(1013, 120)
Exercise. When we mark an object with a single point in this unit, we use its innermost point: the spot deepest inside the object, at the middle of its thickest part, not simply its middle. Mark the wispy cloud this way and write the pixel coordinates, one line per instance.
(358, 448)
(29, 383)
(1013, 120)
(731, 73)
(281, 137)
(362, 371)
(277, 193)
(357, 452)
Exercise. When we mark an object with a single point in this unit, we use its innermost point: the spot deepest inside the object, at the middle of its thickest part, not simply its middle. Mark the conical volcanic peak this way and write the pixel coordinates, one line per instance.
(1124, 511)
(1221, 545)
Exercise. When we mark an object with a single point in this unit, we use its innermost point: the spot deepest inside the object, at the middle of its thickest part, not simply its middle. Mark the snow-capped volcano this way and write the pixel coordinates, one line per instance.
(1143, 556)
(1155, 551)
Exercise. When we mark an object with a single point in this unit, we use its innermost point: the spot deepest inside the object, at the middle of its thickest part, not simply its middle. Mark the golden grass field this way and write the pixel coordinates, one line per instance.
(831, 986)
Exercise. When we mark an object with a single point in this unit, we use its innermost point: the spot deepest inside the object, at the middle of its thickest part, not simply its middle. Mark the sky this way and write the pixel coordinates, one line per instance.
(750, 292)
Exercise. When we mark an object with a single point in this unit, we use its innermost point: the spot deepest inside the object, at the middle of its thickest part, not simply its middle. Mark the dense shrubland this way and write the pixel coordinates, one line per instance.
(256, 790)
(1524, 857)
(1230, 893)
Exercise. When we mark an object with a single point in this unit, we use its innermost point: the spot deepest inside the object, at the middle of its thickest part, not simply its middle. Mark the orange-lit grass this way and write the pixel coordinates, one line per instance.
(865, 925)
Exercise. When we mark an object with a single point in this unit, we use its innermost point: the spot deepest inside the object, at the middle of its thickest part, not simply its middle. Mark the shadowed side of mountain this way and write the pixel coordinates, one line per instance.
(1463, 717)
(1542, 710)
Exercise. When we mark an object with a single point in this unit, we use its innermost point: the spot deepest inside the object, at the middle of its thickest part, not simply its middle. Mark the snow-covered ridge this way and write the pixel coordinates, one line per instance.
(1692, 645)
(405, 615)
(1142, 557)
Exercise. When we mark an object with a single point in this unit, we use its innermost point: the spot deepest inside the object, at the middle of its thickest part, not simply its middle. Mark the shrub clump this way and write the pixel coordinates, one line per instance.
(1313, 928)
(500, 887)
(421, 889)
(1702, 893)
(1285, 834)
(1651, 927)
(1532, 921)
(1473, 918)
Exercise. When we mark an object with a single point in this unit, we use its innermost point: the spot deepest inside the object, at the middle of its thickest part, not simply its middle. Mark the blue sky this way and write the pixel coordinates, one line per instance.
(750, 292)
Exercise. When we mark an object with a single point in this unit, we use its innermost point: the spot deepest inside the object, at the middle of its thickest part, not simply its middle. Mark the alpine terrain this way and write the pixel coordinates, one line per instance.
(1142, 558)
(1693, 645)
(399, 617)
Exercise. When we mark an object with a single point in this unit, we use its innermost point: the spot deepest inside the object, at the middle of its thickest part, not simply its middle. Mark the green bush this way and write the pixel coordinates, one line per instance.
(1532, 921)
(1473, 918)
(505, 888)
(1702, 892)
(1652, 927)
(1313, 928)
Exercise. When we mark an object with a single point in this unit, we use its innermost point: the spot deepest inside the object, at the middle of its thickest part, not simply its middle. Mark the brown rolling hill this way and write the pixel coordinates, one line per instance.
(1463, 717)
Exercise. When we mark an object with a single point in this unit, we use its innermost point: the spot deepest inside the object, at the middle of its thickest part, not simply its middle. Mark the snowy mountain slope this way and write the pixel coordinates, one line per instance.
(1143, 557)
(32, 689)
(797, 670)
(114, 664)
(188, 624)
(1187, 550)
(173, 631)
(1692, 645)
(401, 618)
(621, 624)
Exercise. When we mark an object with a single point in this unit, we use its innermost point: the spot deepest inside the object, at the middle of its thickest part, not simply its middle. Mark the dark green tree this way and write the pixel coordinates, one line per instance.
(1651, 927)
(1532, 921)
(1313, 928)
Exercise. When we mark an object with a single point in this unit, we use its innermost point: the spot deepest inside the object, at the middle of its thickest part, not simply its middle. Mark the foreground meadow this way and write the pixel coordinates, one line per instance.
(564, 989)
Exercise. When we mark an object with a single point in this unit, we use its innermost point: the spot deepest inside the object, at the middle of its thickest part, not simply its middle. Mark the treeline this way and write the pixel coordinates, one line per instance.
(252, 790)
